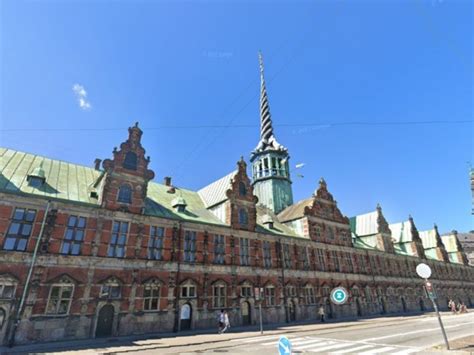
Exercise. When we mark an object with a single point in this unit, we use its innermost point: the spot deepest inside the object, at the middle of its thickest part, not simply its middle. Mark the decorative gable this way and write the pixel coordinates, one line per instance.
(242, 206)
(324, 206)
(326, 223)
(127, 175)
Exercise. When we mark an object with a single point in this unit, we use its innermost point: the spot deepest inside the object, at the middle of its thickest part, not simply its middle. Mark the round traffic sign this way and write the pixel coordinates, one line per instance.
(339, 295)
(423, 270)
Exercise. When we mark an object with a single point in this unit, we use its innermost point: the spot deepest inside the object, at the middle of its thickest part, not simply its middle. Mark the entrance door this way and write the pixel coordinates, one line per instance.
(245, 310)
(186, 316)
(105, 321)
(292, 311)
(359, 308)
(404, 305)
(3, 325)
(384, 306)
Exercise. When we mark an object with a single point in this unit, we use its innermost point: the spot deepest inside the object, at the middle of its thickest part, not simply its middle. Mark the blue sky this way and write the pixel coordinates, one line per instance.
(191, 63)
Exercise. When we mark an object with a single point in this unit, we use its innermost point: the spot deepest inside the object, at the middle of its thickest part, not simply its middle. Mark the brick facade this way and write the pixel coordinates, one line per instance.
(149, 282)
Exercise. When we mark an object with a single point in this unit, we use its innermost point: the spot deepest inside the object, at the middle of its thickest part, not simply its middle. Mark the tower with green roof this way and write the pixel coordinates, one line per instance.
(270, 166)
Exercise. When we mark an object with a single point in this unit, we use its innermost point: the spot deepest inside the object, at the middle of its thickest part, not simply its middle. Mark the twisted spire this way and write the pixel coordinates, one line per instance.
(266, 129)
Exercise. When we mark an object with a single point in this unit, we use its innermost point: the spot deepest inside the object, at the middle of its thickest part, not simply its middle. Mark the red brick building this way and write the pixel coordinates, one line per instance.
(106, 251)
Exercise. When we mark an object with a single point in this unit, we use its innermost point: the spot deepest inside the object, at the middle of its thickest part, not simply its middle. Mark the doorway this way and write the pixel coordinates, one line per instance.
(359, 308)
(246, 316)
(105, 321)
(292, 311)
(185, 317)
(384, 306)
(404, 305)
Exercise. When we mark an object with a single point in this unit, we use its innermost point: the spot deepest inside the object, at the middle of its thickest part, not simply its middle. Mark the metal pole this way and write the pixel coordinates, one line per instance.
(17, 317)
(439, 318)
(260, 311)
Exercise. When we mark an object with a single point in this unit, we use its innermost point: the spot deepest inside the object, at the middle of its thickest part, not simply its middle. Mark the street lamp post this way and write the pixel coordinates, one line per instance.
(424, 271)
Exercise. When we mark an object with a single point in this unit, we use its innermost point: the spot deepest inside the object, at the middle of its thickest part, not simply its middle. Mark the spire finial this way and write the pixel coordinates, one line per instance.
(266, 129)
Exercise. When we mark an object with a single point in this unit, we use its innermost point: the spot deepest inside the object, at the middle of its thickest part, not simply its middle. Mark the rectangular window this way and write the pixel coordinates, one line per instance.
(321, 260)
(190, 246)
(20, 229)
(60, 298)
(155, 243)
(334, 257)
(188, 291)
(7, 290)
(350, 264)
(267, 255)
(305, 252)
(218, 296)
(286, 256)
(74, 236)
(118, 240)
(270, 296)
(219, 249)
(246, 291)
(151, 297)
(309, 295)
(291, 291)
(244, 251)
(110, 291)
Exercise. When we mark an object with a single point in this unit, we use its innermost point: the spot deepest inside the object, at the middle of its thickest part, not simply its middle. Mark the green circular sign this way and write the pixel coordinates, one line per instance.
(339, 295)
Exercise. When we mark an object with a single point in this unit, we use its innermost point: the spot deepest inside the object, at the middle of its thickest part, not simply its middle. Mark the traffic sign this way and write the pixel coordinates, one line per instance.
(430, 292)
(423, 270)
(339, 295)
(284, 346)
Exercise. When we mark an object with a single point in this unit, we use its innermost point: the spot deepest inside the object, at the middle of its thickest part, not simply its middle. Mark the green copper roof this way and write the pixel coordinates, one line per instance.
(63, 180)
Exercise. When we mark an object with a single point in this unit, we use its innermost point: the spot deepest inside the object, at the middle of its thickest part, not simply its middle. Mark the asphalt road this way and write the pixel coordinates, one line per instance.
(406, 336)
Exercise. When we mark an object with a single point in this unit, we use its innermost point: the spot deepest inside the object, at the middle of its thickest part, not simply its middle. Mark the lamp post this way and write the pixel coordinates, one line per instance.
(424, 271)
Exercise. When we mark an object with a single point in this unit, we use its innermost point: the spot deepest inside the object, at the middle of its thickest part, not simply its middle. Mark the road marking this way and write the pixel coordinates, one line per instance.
(353, 349)
(302, 342)
(316, 343)
(256, 339)
(319, 348)
(404, 352)
(416, 331)
(273, 342)
(377, 351)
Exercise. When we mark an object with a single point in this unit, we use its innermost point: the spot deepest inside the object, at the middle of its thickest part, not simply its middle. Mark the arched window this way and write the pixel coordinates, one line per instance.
(243, 217)
(242, 189)
(125, 194)
(3, 316)
(130, 161)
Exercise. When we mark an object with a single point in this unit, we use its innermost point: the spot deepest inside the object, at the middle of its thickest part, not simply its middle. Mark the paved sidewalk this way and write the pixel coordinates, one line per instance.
(196, 337)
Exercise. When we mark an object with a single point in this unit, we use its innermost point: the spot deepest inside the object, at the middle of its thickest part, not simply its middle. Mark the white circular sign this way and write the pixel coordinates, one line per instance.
(339, 295)
(423, 270)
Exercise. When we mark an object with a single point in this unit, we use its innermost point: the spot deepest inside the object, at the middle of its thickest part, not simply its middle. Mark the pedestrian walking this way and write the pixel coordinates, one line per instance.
(453, 307)
(226, 322)
(220, 320)
(322, 314)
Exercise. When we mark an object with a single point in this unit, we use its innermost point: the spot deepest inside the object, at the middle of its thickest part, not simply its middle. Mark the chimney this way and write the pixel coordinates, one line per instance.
(167, 181)
(97, 162)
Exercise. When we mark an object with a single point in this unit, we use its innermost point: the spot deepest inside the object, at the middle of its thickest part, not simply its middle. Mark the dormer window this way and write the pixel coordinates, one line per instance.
(37, 177)
(242, 189)
(130, 161)
(125, 194)
(179, 203)
(267, 220)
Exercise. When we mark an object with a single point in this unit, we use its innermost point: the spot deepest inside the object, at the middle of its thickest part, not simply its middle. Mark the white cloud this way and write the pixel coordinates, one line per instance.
(81, 95)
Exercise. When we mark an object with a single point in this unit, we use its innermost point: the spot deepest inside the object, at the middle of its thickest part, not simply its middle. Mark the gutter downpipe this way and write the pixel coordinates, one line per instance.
(177, 324)
(19, 311)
